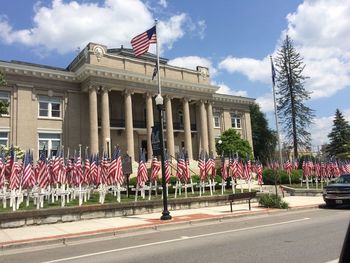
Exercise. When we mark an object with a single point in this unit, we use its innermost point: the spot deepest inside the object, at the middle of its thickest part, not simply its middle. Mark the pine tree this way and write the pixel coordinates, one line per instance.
(264, 139)
(295, 117)
(339, 145)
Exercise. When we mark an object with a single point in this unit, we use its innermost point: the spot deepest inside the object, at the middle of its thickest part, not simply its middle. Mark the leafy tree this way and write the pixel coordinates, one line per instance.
(264, 139)
(232, 143)
(3, 105)
(339, 137)
(294, 116)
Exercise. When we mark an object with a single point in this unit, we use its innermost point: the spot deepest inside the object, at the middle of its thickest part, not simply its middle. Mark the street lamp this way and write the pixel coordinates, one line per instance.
(159, 102)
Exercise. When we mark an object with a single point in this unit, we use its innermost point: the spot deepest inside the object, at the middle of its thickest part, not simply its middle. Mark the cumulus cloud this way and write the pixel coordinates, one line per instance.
(266, 102)
(65, 25)
(321, 33)
(254, 69)
(163, 3)
(224, 89)
(192, 62)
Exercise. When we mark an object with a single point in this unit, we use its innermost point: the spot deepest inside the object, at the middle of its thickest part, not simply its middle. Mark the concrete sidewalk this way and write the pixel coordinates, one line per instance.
(63, 232)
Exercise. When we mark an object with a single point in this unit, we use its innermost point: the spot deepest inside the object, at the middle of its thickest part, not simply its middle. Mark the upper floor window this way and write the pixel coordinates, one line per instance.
(216, 120)
(50, 107)
(5, 98)
(236, 121)
(4, 138)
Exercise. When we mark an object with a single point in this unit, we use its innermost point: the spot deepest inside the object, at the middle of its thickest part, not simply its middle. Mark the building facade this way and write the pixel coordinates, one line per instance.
(105, 97)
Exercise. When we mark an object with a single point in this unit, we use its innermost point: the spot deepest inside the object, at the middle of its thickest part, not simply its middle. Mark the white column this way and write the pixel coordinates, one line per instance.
(93, 120)
(211, 129)
(129, 129)
(187, 128)
(169, 127)
(105, 126)
(149, 124)
(204, 126)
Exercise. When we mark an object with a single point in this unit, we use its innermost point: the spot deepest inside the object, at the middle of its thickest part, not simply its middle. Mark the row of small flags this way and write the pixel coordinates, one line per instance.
(330, 168)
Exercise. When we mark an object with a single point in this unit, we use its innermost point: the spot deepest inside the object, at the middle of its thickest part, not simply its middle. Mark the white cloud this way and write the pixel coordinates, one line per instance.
(163, 3)
(66, 25)
(254, 69)
(321, 31)
(266, 102)
(224, 89)
(191, 62)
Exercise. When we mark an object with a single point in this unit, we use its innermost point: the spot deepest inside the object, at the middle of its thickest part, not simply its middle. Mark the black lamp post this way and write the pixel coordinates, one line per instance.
(165, 214)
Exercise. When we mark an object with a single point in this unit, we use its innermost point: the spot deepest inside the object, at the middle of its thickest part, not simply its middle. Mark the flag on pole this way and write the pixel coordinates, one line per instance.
(140, 43)
(273, 72)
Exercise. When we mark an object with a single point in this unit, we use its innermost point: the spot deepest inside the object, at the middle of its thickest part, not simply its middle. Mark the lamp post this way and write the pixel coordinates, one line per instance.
(165, 214)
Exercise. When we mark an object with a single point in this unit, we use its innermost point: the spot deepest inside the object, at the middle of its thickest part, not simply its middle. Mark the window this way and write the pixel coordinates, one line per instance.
(236, 121)
(4, 138)
(181, 119)
(216, 119)
(50, 142)
(5, 97)
(49, 107)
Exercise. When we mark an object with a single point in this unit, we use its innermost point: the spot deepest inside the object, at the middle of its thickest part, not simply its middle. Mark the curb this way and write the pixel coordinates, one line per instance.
(111, 232)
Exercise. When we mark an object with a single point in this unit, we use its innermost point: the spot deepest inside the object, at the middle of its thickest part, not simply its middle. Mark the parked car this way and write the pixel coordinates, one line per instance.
(338, 192)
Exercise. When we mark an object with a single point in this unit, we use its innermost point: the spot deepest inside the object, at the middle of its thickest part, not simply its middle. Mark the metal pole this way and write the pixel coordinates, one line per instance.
(275, 107)
(165, 214)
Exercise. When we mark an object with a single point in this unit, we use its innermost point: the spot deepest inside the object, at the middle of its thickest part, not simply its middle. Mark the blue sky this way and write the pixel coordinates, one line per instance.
(233, 38)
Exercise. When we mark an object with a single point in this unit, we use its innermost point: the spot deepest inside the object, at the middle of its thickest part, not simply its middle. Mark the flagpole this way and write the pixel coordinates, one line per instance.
(159, 102)
(275, 107)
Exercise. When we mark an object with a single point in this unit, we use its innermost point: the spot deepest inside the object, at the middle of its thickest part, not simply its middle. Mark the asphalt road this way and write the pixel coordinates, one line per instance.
(314, 235)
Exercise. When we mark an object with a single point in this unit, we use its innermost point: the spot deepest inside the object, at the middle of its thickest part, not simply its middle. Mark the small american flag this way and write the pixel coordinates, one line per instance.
(155, 167)
(140, 43)
(43, 175)
(14, 173)
(142, 176)
(28, 179)
(201, 166)
(224, 173)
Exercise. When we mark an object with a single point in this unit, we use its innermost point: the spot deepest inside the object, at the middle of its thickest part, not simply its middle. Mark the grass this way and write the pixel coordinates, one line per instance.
(109, 199)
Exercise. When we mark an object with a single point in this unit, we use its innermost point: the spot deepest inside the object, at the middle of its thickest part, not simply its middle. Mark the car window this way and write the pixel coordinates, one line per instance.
(343, 180)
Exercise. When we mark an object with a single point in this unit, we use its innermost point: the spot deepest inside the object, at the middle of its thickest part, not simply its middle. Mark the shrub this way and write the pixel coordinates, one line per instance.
(272, 201)
(282, 177)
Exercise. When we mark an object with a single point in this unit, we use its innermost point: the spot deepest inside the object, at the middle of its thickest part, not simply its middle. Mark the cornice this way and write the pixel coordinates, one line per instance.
(36, 71)
(232, 99)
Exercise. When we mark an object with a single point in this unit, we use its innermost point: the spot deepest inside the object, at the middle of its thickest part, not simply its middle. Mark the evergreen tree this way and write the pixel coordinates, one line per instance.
(264, 139)
(339, 137)
(3, 105)
(295, 116)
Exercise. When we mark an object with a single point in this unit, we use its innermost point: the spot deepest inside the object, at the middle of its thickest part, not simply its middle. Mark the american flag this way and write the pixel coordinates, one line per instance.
(104, 169)
(142, 176)
(167, 169)
(118, 176)
(201, 166)
(155, 167)
(43, 175)
(140, 43)
(14, 172)
(78, 171)
(288, 167)
(239, 172)
(186, 171)
(224, 173)
(86, 175)
(210, 166)
(28, 179)
(181, 165)
(2, 170)
(259, 171)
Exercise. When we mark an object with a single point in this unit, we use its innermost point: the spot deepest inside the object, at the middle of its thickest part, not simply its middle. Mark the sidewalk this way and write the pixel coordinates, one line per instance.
(63, 232)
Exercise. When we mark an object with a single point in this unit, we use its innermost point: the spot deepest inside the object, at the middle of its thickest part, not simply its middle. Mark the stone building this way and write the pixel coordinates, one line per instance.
(105, 97)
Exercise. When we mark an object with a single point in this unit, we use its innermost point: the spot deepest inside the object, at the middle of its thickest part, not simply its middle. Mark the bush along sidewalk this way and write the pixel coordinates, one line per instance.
(272, 201)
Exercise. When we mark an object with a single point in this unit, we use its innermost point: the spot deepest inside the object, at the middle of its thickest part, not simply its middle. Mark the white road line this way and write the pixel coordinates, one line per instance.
(175, 240)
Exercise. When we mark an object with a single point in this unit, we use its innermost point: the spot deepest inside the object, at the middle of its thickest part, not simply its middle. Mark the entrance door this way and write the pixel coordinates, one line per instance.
(144, 147)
